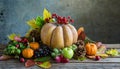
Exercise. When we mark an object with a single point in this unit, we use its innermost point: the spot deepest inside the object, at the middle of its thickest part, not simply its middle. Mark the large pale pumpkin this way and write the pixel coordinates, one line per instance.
(58, 36)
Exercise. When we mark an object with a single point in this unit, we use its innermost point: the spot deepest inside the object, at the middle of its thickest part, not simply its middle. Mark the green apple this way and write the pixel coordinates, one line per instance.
(67, 53)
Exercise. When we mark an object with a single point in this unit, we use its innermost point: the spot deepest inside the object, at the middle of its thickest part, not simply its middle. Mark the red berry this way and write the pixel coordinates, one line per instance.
(22, 60)
(25, 40)
(54, 15)
(47, 20)
(97, 58)
(69, 17)
(71, 20)
(65, 20)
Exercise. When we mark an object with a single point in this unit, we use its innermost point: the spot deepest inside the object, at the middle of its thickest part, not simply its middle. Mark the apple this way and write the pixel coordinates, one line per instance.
(67, 53)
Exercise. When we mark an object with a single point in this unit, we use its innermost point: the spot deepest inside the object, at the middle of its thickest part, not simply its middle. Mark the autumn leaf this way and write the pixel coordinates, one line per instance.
(45, 65)
(32, 23)
(5, 57)
(12, 36)
(46, 14)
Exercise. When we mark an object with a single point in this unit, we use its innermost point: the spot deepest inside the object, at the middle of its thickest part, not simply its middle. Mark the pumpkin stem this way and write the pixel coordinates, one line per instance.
(33, 39)
(28, 45)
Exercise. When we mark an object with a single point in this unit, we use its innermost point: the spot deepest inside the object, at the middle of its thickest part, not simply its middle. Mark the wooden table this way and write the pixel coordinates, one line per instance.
(108, 63)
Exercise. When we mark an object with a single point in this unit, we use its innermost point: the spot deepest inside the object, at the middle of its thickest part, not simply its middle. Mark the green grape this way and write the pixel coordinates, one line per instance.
(53, 54)
(17, 51)
(56, 50)
(12, 47)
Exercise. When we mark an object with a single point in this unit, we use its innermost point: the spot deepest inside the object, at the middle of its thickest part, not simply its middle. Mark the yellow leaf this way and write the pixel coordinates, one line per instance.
(32, 23)
(11, 36)
(46, 14)
(46, 64)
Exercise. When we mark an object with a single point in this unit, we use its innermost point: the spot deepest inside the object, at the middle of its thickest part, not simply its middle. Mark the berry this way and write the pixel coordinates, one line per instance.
(22, 60)
(42, 51)
(71, 20)
(54, 15)
(97, 58)
(25, 40)
(47, 20)
(69, 17)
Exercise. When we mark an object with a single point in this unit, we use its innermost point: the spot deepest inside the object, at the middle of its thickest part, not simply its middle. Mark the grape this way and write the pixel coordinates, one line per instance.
(56, 50)
(42, 51)
(18, 51)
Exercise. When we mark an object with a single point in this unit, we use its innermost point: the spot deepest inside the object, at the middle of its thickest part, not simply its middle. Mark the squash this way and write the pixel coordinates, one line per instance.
(58, 35)
(27, 53)
(34, 45)
(91, 49)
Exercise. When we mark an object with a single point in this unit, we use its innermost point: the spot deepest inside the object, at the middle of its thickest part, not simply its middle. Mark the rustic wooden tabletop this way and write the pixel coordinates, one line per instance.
(107, 63)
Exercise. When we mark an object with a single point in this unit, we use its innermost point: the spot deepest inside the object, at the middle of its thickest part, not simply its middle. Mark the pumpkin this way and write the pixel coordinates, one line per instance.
(58, 35)
(27, 53)
(91, 49)
(34, 45)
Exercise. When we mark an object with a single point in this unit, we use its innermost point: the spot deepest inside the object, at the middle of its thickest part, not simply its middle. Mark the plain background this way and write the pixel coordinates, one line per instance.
(100, 18)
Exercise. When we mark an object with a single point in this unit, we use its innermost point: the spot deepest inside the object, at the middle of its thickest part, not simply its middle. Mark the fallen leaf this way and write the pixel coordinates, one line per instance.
(91, 57)
(42, 59)
(29, 63)
(46, 64)
(5, 57)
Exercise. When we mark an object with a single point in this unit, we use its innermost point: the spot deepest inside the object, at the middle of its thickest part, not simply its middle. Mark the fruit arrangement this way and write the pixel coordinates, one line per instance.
(53, 38)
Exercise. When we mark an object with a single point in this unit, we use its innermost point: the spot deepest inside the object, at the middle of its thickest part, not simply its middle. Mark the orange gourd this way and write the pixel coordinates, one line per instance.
(27, 53)
(91, 49)
(58, 35)
(34, 45)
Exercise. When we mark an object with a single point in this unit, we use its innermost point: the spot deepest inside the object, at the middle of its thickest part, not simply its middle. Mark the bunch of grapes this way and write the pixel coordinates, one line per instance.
(15, 47)
(43, 51)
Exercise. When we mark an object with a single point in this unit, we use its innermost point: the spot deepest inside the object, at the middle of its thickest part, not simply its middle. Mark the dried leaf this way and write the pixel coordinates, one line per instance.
(46, 64)
(91, 57)
(112, 52)
(5, 57)
(102, 55)
(82, 58)
(29, 63)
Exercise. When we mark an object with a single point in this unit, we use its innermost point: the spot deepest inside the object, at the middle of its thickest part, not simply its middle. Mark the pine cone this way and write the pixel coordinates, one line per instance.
(35, 34)
(80, 51)
(80, 43)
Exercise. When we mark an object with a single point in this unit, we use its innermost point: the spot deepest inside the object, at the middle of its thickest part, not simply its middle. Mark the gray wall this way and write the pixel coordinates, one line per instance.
(101, 18)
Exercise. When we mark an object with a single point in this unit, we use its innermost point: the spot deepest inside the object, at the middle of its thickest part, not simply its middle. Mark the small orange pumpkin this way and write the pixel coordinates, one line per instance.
(91, 49)
(34, 45)
(27, 53)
